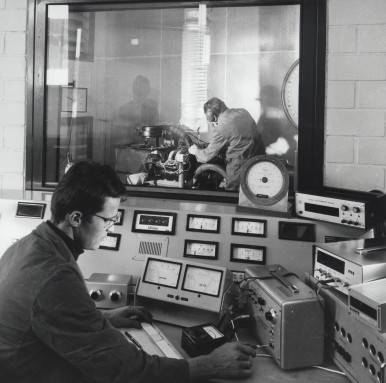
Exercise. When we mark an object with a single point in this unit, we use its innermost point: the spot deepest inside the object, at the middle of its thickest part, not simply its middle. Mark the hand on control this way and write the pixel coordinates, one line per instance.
(128, 316)
(231, 360)
(193, 149)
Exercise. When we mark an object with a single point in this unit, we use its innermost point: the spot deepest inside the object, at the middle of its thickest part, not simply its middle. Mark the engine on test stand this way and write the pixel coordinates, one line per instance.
(171, 161)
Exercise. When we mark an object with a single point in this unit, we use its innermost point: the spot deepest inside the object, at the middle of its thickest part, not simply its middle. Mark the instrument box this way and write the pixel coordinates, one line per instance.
(289, 316)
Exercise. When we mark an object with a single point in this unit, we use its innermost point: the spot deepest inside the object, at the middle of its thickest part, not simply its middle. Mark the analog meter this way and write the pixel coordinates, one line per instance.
(264, 183)
(248, 226)
(203, 223)
(248, 253)
(201, 249)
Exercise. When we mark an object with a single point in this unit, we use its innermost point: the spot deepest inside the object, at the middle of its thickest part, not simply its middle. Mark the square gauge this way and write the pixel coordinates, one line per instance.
(249, 227)
(248, 253)
(154, 222)
(203, 223)
(201, 249)
(111, 242)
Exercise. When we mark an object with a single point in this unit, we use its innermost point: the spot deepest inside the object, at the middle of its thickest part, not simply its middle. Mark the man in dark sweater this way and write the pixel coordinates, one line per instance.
(50, 329)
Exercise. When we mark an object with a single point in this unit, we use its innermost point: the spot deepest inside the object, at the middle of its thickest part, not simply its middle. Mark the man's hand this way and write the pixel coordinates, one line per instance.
(231, 360)
(128, 316)
(193, 149)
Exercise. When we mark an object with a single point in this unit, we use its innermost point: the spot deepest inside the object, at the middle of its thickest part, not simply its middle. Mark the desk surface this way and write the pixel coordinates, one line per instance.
(265, 369)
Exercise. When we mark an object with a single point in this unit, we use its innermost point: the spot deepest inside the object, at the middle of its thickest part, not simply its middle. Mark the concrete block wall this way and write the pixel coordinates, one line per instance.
(13, 21)
(355, 97)
(355, 147)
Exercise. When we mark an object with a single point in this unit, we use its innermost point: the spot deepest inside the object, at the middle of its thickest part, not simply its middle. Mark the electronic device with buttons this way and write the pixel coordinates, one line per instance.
(289, 316)
(368, 302)
(357, 348)
(183, 292)
(110, 291)
(361, 210)
(347, 263)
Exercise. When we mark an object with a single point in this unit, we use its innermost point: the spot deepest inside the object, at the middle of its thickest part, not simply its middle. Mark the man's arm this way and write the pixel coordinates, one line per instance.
(128, 316)
(65, 319)
(214, 147)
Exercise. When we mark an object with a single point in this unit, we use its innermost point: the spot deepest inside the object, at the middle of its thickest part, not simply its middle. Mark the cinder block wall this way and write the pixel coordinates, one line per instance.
(356, 94)
(13, 20)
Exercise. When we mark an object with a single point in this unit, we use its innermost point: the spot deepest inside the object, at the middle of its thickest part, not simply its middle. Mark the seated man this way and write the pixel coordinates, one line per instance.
(50, 329)
(237, 131)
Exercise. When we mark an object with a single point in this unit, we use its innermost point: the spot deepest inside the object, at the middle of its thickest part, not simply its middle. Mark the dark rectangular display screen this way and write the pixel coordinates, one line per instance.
(30, 210)
(362, 307)
(329, 261)
(326, 210)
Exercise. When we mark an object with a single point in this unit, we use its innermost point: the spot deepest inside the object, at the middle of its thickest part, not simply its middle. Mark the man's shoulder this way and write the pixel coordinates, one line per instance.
(235, 113)
(44, 245)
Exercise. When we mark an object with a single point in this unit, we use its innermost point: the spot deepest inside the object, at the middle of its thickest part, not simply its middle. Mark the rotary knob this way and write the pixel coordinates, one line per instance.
(96, 294)
(271, 316)
(115, 296)
(356, 209)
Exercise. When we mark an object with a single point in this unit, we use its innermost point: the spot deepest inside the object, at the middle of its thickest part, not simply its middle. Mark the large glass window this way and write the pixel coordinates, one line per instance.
(125, 85)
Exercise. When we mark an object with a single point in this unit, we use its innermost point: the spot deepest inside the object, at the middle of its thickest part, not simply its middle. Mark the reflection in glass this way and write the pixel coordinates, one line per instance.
(147, 74)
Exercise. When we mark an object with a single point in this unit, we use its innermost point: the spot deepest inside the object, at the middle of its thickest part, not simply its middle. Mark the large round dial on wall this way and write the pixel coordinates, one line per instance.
(264, 180)
(290, 94)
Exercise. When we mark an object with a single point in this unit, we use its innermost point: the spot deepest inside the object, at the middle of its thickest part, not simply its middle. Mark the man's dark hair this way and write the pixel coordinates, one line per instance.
(84, 188)
(216, 105)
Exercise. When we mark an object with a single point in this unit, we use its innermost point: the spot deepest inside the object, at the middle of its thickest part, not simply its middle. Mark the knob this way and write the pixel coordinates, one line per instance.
(344, 207)
(356, 209)
(261, 301)
(96, 295)
(270, 316)
(115, 295)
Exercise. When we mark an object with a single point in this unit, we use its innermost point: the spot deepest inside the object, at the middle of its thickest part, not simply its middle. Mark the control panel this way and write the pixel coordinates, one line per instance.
(221, 235)
(110, 290)
(185, 288)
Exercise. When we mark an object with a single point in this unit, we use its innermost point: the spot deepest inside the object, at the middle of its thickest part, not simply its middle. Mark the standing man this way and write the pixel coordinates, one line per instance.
(235, 129)
(50, 329)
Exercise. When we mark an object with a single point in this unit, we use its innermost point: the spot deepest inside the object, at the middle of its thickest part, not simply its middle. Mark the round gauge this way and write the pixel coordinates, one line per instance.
(264, 180)
(290, 94)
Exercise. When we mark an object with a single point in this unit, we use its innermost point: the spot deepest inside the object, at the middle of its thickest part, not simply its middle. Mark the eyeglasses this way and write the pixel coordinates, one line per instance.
(108, 221)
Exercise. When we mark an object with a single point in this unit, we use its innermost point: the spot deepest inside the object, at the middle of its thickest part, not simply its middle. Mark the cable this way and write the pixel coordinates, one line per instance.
(258, 347)
(330, 370)
(223, 296)
(234, 330)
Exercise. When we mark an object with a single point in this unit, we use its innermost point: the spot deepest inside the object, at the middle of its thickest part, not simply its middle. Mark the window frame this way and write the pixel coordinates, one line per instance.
(312, 49)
